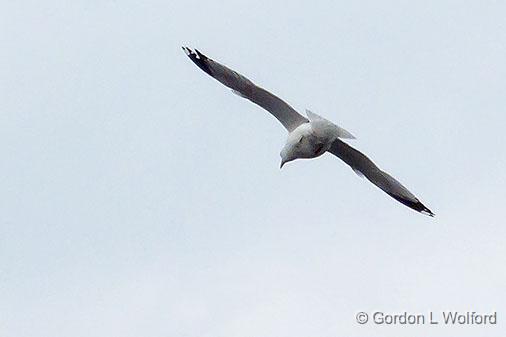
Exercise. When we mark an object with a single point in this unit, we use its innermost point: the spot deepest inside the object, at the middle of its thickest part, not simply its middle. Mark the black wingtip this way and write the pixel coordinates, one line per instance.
(428, 212)
(416, 205)
(202, 56)
(198, 58)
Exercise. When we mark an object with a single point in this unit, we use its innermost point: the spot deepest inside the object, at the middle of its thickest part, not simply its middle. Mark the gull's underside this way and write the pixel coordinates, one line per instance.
(291, 119)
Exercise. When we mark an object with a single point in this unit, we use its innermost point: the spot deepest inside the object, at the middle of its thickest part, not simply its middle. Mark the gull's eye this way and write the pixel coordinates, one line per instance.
(300, 140)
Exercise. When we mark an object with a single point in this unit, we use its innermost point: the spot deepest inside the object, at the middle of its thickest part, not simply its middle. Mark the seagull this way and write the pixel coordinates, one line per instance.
(307, 137)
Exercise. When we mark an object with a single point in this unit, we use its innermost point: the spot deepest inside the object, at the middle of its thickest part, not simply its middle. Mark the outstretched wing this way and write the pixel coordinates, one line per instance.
(247, 89)
(359, 162)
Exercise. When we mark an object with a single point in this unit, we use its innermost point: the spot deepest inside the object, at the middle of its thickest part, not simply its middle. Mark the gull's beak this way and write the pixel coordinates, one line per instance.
(282, 163)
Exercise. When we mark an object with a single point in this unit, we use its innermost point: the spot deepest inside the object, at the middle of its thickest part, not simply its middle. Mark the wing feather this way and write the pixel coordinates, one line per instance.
(247, 89)
(360, 162)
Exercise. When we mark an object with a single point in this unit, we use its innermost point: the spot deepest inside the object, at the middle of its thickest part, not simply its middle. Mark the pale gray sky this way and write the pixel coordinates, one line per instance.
(139, 197)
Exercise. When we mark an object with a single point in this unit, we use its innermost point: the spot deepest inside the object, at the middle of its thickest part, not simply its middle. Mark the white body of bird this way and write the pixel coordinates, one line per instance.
(303, 142)
(311, 139)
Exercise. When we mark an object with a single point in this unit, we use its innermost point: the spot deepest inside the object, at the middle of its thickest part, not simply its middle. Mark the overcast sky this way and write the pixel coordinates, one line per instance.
(139, 197)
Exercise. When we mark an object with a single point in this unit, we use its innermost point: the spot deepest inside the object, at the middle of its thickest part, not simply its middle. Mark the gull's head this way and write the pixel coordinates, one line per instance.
(285, 159)
(289, 153)
(297, 144)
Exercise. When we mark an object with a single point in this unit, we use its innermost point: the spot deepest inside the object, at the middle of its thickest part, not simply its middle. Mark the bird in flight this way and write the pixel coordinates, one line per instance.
(308, 137)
